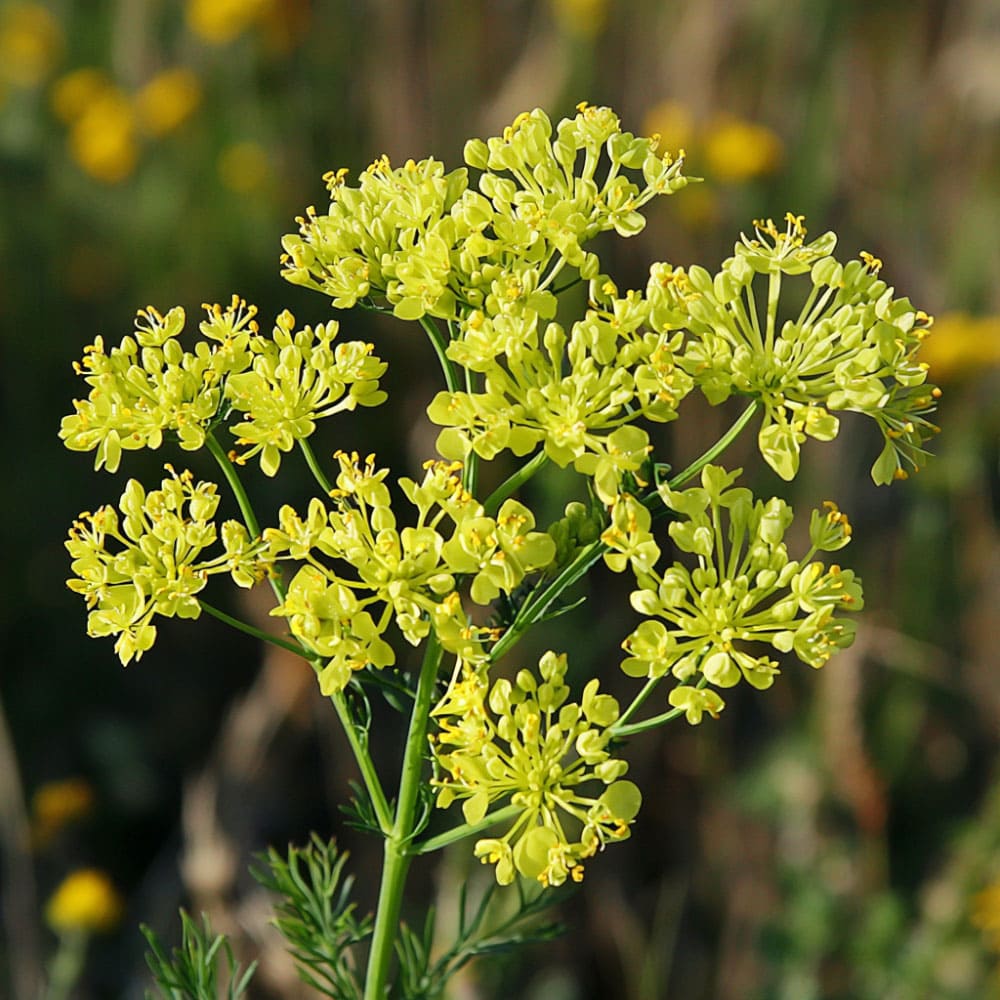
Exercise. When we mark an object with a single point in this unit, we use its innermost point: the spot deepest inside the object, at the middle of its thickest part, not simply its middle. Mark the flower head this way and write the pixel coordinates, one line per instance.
(145, 559)
(524, 741)
(294, 380)
(31, 41)
(57, 804)
(853, 346)
(744, 592)
(364, 571)
(86, 901)
(737, 150)
(168, 100)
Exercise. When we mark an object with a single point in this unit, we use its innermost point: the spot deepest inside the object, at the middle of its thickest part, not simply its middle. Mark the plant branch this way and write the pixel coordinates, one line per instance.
(638, 700)
(514, 482)
(366, 765)
(652, 723)
(361, 755)
(290, 644)
(314, 467)
(467, 830)
(618, 730)
(717, 449)
(235, 484)
(440, 348)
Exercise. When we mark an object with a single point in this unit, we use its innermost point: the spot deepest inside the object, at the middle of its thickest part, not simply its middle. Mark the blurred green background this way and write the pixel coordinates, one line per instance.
(838, 837)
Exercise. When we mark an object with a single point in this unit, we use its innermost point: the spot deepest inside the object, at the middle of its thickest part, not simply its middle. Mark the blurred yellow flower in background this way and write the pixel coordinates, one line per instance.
(31, 42)
(168, 100)
(244, 167)
(86, 900)
(103, 139)
(960, 346)
(72, 93)
(105, 121)
(583, 18)
(220, 21)
(55, 805)
(986, 913)
(736, 150)
(673, 123)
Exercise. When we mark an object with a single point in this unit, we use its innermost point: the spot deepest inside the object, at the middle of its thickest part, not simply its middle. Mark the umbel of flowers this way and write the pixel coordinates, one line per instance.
(479, 258)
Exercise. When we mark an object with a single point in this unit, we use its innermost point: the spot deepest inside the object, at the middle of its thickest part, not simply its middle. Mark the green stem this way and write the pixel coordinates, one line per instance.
(440, 347)
(637, 701)
(773, 294)
(257, 633)
(67, 964)
(366, 765)
(641, 727)
(514, 482)
(235, 484)
(568, 285)
(398, 850)
(314, 467)
(470, 472)
(246, 508)
(618, 730)
(467, 829)
(720, 446)
(534, 608)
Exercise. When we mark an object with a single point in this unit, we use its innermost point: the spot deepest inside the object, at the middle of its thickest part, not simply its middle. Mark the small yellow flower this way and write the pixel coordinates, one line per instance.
(168, 100)
(583, 18)
(737, 150)
(220, 21)
(31, 41)
(73, 93)
(985, 913)
(243, 167)
(961, 346)
(86, 900)
(673, 123)
(56, 804)
(103, 139)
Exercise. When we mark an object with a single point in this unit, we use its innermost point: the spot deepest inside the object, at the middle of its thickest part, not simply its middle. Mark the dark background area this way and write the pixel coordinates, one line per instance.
(830, 838)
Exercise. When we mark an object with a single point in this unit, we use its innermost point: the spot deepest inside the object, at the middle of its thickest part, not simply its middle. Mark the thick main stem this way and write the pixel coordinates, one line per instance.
(398, 845)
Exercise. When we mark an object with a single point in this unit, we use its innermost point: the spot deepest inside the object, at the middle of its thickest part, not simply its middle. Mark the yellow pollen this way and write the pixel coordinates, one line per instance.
(873, 263)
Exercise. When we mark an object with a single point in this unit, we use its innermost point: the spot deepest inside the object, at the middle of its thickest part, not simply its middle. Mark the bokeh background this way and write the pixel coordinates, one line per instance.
(838, 837)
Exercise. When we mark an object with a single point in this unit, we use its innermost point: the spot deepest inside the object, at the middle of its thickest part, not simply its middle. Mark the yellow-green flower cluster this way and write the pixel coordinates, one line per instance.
(577, 396)
(149, 385)
(851, 347)
(705, 625)
(423, 241)
(145, 559)
(524, 741)
(295, 379)
(407, 575)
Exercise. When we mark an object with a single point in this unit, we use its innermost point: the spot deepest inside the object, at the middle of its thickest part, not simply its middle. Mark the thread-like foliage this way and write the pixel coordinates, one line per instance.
(315, 915)
(192, 970)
